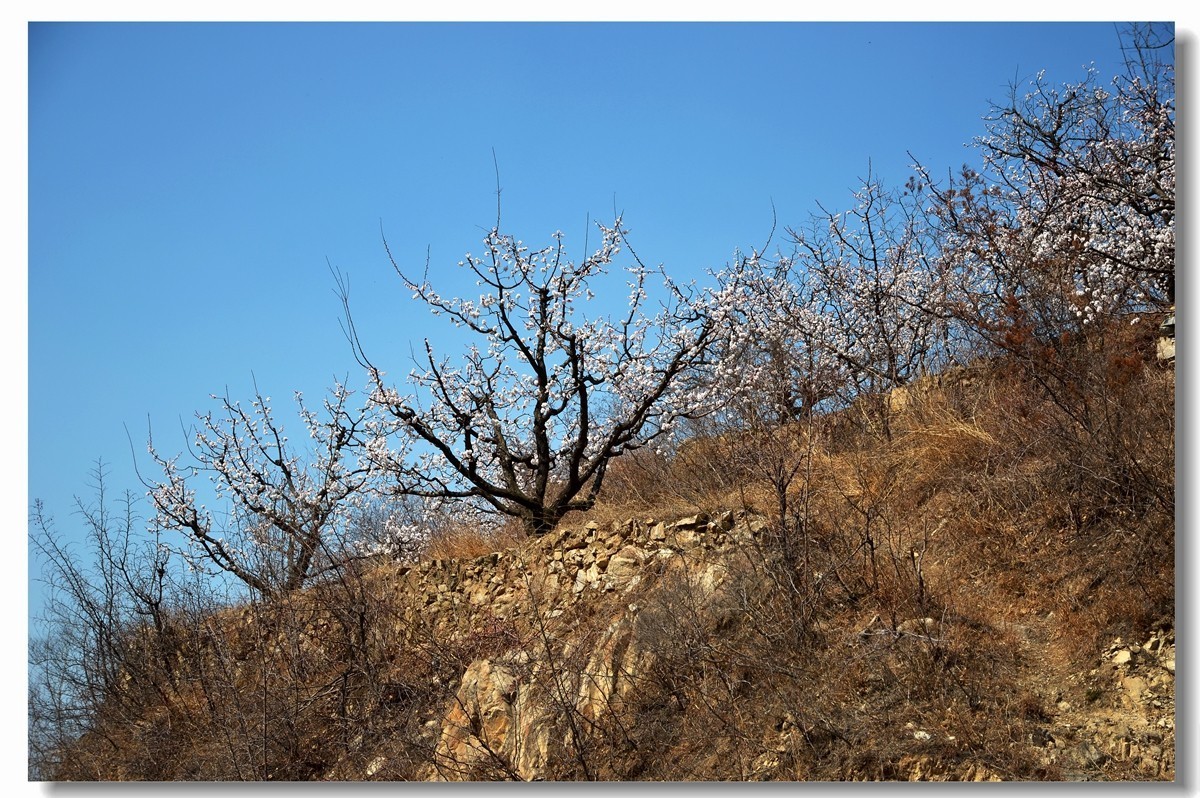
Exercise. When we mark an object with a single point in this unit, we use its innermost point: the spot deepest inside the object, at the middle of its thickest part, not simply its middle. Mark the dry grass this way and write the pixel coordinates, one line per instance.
(469, 542)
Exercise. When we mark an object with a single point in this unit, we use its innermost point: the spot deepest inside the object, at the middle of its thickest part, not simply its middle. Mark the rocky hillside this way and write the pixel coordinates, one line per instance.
(644, 650)
(599, 598)
(962, 596)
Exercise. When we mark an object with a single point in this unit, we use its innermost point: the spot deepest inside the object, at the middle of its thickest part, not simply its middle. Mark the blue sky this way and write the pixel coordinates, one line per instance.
(189, 183)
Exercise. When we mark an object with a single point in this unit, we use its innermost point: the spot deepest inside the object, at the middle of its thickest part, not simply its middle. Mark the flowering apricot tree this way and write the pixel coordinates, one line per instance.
(286, 505)
(776, 360)
(873, 288)
(1072, 217)
(525, 422)
(855, 310)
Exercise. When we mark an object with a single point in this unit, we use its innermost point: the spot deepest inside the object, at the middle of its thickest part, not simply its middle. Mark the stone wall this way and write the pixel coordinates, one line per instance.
(518, 710)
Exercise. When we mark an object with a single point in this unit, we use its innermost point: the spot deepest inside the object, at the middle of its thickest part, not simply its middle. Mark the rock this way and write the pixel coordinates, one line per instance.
(620, 531)
(724, 521)
(1122, 657)
(1133, 687)
(917, 626)
(755, 525)
(481, 715)
(1089, 755)
(711, 578)
(592, 575)
(624, 567)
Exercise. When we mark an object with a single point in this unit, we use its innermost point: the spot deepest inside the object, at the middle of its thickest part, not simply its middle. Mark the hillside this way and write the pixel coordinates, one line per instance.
(962, 595)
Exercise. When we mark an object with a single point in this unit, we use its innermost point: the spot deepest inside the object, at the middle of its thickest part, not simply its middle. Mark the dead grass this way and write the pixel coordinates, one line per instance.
(469, 542)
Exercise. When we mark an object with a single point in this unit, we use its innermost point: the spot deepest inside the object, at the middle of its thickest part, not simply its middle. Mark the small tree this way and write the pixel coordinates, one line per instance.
(1054, 250)
(87, 663)
(856, 310)
(776, 360)
(284, 513)
(1072, 217)
(874, 290)
(526, 422)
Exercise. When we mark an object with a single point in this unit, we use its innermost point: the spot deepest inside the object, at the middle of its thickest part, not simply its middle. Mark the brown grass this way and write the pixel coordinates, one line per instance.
(469, 542)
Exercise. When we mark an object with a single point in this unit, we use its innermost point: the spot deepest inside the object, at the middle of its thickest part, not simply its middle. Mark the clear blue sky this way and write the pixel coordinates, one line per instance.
(188, 182)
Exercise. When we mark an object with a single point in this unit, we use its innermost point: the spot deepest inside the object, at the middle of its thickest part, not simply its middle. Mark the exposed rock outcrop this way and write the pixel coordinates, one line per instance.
(573, 653)
(584, 612)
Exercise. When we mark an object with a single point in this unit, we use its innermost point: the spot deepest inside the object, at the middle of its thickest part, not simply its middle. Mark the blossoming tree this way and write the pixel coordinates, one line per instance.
(854, 311)
(775, 362)
(525, 422)
(286, 506)
(873, 290)
(1072, 217)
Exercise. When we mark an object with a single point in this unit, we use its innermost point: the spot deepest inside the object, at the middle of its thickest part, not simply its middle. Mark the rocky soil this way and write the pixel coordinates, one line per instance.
(567, 631)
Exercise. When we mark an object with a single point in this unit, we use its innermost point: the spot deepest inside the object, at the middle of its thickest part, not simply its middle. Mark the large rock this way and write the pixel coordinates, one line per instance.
(624, 567)
(476, 739)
